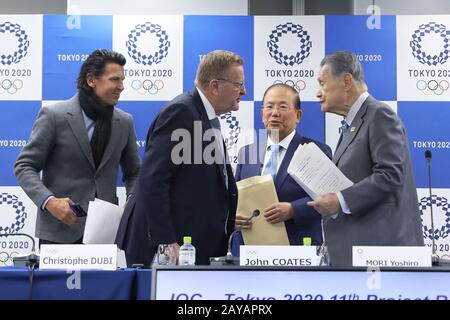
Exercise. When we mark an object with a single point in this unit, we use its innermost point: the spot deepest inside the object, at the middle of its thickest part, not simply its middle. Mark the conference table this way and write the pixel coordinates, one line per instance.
(228, 283)
(122, 284)
(300, 283)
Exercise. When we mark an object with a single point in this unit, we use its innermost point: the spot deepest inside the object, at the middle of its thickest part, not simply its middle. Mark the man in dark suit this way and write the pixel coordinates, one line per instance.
(79, 144)
(281, 114)
(185, 188)
(381, 208)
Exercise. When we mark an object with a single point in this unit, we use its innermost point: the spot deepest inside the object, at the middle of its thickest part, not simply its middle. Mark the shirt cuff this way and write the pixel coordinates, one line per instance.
(343, 204)
(43, 206)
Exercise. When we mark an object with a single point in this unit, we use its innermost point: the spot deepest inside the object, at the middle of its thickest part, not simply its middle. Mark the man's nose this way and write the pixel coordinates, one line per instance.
(275, 111)
(120, 86)
(242, 90)
(319, 94)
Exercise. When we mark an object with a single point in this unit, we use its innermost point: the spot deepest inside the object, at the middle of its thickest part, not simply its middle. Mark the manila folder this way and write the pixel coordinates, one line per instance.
(259, 193)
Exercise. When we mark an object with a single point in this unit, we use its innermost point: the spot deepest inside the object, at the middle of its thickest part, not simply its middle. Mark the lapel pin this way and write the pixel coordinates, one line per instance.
(352, 129)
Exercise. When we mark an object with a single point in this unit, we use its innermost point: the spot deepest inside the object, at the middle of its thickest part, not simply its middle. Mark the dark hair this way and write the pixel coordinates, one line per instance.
(297, 103)
(95, 65)
(344, 62)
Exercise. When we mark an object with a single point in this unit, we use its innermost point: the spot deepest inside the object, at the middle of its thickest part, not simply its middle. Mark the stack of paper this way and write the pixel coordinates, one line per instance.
(102, 222)
(315, 172)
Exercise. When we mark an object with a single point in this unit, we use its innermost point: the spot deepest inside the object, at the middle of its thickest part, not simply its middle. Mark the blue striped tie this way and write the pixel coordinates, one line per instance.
(272, 165)
(344, 127)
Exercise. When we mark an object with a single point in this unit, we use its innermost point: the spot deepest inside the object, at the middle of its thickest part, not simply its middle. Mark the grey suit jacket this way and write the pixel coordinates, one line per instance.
(59, 147)
(374, 154)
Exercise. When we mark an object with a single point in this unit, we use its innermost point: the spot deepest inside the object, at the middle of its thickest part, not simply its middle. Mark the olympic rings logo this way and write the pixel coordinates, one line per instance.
(6, 258)
(299, 85)
(432, 86)
(147, 86)
(10, 86)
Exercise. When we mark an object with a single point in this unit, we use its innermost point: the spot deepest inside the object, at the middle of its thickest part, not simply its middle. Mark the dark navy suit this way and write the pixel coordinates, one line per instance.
(306, 221)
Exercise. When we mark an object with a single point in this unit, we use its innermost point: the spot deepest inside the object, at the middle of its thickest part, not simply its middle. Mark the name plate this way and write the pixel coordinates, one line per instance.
(78, 256)
(390, 256)
(278, 256)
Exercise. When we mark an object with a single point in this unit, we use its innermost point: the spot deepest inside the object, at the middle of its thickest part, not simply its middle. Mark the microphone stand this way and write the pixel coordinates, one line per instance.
(28, 260)
(434, 256)
(31, 260)
(229, 259)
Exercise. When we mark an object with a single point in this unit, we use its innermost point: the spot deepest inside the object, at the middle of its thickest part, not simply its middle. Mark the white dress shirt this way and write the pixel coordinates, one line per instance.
(284, 144)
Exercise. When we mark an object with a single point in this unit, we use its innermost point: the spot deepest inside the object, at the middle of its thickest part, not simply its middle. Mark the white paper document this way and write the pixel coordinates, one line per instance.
(102, 222)
(315, 172)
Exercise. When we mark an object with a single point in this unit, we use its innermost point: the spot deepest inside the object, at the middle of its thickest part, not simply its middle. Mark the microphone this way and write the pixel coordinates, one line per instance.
(434, 256)
(229, 258)
(31, 259)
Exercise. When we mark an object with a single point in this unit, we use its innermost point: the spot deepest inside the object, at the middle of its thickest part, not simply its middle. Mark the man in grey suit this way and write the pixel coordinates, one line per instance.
(381, 208)
(78, 145)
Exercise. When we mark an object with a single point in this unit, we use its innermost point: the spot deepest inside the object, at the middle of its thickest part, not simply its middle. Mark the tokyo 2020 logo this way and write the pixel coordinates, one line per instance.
(148, 58)
(429, 56)
(304, 44)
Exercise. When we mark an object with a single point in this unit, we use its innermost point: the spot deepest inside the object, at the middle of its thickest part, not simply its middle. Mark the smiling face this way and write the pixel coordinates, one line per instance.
(332, 91)
(229, 90)
(109, 85)
(279, 112)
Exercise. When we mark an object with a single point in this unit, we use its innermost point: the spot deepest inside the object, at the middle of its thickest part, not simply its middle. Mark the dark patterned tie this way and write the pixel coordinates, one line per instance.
(215, 123)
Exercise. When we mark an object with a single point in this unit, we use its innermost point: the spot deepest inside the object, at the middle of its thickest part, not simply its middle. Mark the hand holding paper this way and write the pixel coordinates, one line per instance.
(279, 212)
(242, 222)
(326, 204)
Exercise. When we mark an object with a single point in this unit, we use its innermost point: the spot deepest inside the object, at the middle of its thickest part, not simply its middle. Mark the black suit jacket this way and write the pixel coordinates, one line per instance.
(174, 200)
(306, 221)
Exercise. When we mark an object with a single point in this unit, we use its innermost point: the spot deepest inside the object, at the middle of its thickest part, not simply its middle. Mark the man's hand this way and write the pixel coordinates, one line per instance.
(176, 249)
(176, 246)
(242, 223)
(60, 209)
(327, 204)
(279, 212)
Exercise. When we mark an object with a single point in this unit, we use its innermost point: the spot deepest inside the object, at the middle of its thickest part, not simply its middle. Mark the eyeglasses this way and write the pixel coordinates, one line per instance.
(238, 85)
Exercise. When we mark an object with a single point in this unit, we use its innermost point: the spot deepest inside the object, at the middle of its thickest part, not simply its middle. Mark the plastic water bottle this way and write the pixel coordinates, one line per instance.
(187, 253)
(307, 241)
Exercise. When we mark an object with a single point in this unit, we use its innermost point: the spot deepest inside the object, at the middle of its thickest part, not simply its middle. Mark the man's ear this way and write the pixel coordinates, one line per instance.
(299, 114)
(214, 86)
(348, 81)
(90, 80)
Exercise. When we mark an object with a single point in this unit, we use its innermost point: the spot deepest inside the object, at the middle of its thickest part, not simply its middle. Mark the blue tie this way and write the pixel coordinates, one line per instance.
(215, 123)
(272, 165)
